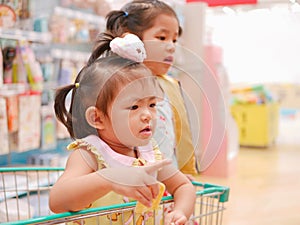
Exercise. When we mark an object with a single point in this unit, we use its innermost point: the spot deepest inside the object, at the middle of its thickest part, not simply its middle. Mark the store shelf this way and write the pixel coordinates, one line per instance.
(20, 158)
(17, 34)
(75, 14)
(58, 53)
(69, 54)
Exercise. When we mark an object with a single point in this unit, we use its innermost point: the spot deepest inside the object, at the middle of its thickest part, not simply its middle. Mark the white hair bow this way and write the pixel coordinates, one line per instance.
(129, 46)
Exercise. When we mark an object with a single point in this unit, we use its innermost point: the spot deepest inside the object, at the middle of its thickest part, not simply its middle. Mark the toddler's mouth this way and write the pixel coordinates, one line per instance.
(169, 59)
(147, 129)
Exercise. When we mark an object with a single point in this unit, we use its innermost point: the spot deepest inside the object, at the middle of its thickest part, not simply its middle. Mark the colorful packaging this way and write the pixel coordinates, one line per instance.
(4, 146)
(7, 16)
(12, 110)
(1, 67)
(32, 67)
(29, 134)
(48, 139)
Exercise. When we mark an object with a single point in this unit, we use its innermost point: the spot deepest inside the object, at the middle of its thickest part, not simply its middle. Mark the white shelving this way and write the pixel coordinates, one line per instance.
(70, 13)
(17, 34)
(69, 54)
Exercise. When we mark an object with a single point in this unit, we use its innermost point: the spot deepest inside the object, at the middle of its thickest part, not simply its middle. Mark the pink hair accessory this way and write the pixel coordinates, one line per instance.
(129, 46)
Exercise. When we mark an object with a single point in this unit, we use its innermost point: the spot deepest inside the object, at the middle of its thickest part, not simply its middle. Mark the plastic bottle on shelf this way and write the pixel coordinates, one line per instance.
(1, 68)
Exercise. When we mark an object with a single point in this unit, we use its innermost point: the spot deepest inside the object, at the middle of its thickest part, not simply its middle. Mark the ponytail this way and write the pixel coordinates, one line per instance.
(62, 114)
(116, 21)
(101, 46)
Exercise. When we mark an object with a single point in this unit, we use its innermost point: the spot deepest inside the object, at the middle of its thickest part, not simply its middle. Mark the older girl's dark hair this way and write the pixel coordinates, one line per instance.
(134, 17)
(98, 83)
(138, 16)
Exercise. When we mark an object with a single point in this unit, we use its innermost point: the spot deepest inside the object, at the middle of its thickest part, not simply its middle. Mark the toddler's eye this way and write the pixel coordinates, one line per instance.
(153, 105)
(161, 38)
(134, 107)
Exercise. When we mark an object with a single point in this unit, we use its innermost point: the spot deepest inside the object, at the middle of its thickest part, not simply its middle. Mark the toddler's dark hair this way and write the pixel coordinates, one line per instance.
(96, 85)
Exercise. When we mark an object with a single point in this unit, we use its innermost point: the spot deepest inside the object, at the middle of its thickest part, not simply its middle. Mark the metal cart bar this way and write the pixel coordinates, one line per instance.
(24, 183)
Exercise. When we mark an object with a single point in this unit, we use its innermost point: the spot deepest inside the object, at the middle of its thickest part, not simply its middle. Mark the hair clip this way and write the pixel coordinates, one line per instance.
(125, 14)
(130, 47)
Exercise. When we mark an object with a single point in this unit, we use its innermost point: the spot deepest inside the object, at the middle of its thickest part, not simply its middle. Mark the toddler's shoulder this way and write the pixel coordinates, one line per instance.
(77, 144)
(89, 153)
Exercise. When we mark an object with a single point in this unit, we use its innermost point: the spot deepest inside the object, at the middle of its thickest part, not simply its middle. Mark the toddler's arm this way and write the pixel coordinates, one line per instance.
(184, 194)
(80, 185)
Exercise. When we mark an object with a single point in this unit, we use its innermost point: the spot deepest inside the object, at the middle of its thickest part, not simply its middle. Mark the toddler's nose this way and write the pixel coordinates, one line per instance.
(171, 47)
(146, 115)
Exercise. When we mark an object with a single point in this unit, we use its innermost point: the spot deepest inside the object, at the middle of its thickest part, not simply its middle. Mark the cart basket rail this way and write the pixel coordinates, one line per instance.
(26, 182)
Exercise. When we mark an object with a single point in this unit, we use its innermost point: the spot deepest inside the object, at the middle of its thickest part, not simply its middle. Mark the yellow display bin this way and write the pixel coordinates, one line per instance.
(258, 124)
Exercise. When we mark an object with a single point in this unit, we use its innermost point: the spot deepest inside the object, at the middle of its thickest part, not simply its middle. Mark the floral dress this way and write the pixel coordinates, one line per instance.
(106, 157)
(164, 133)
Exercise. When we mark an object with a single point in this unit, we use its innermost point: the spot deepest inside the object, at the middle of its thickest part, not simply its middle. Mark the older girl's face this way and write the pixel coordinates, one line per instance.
(159, 41)
(132, 116)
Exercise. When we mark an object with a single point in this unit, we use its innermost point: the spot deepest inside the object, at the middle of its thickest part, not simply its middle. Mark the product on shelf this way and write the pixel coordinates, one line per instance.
(1, 67)
(4, 147)
(29, 133)
(9, 53)
(251, 94)
(11, 98)
(100, 7)
(71, 26)
(23, 117)
(48, 128)
(32, 66)
(7, 16)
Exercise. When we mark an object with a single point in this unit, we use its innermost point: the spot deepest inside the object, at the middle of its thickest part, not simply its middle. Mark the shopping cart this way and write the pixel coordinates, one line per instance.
(24, 200)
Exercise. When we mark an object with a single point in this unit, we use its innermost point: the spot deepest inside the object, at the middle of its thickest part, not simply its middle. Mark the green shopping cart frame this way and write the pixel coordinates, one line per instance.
(22, 187)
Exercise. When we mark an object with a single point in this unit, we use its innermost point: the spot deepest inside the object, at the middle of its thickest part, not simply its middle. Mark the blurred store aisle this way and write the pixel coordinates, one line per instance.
(265, 188)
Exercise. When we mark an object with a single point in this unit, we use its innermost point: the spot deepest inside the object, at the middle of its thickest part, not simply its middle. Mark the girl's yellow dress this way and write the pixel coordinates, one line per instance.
(184, 149)
(106, 158)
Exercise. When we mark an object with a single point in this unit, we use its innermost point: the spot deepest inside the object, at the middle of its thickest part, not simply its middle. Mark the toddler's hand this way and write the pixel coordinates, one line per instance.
(135, 182)
(175, 217)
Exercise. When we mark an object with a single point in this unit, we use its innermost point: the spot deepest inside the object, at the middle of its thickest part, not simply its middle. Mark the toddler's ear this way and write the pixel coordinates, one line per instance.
(95, 117)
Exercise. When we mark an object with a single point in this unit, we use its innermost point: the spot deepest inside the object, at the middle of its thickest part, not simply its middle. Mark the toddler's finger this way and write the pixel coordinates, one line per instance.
(143, 198)
(154, 188)
(169, 219)
(180, 221)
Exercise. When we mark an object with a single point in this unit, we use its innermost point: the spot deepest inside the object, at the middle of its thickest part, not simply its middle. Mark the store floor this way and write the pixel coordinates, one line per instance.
(265, 188)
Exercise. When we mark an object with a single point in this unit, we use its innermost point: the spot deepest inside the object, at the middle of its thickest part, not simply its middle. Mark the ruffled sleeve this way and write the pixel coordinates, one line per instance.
(80, 144)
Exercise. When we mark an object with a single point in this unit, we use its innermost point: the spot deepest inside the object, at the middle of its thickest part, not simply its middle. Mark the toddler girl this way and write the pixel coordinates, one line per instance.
(112, 119)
